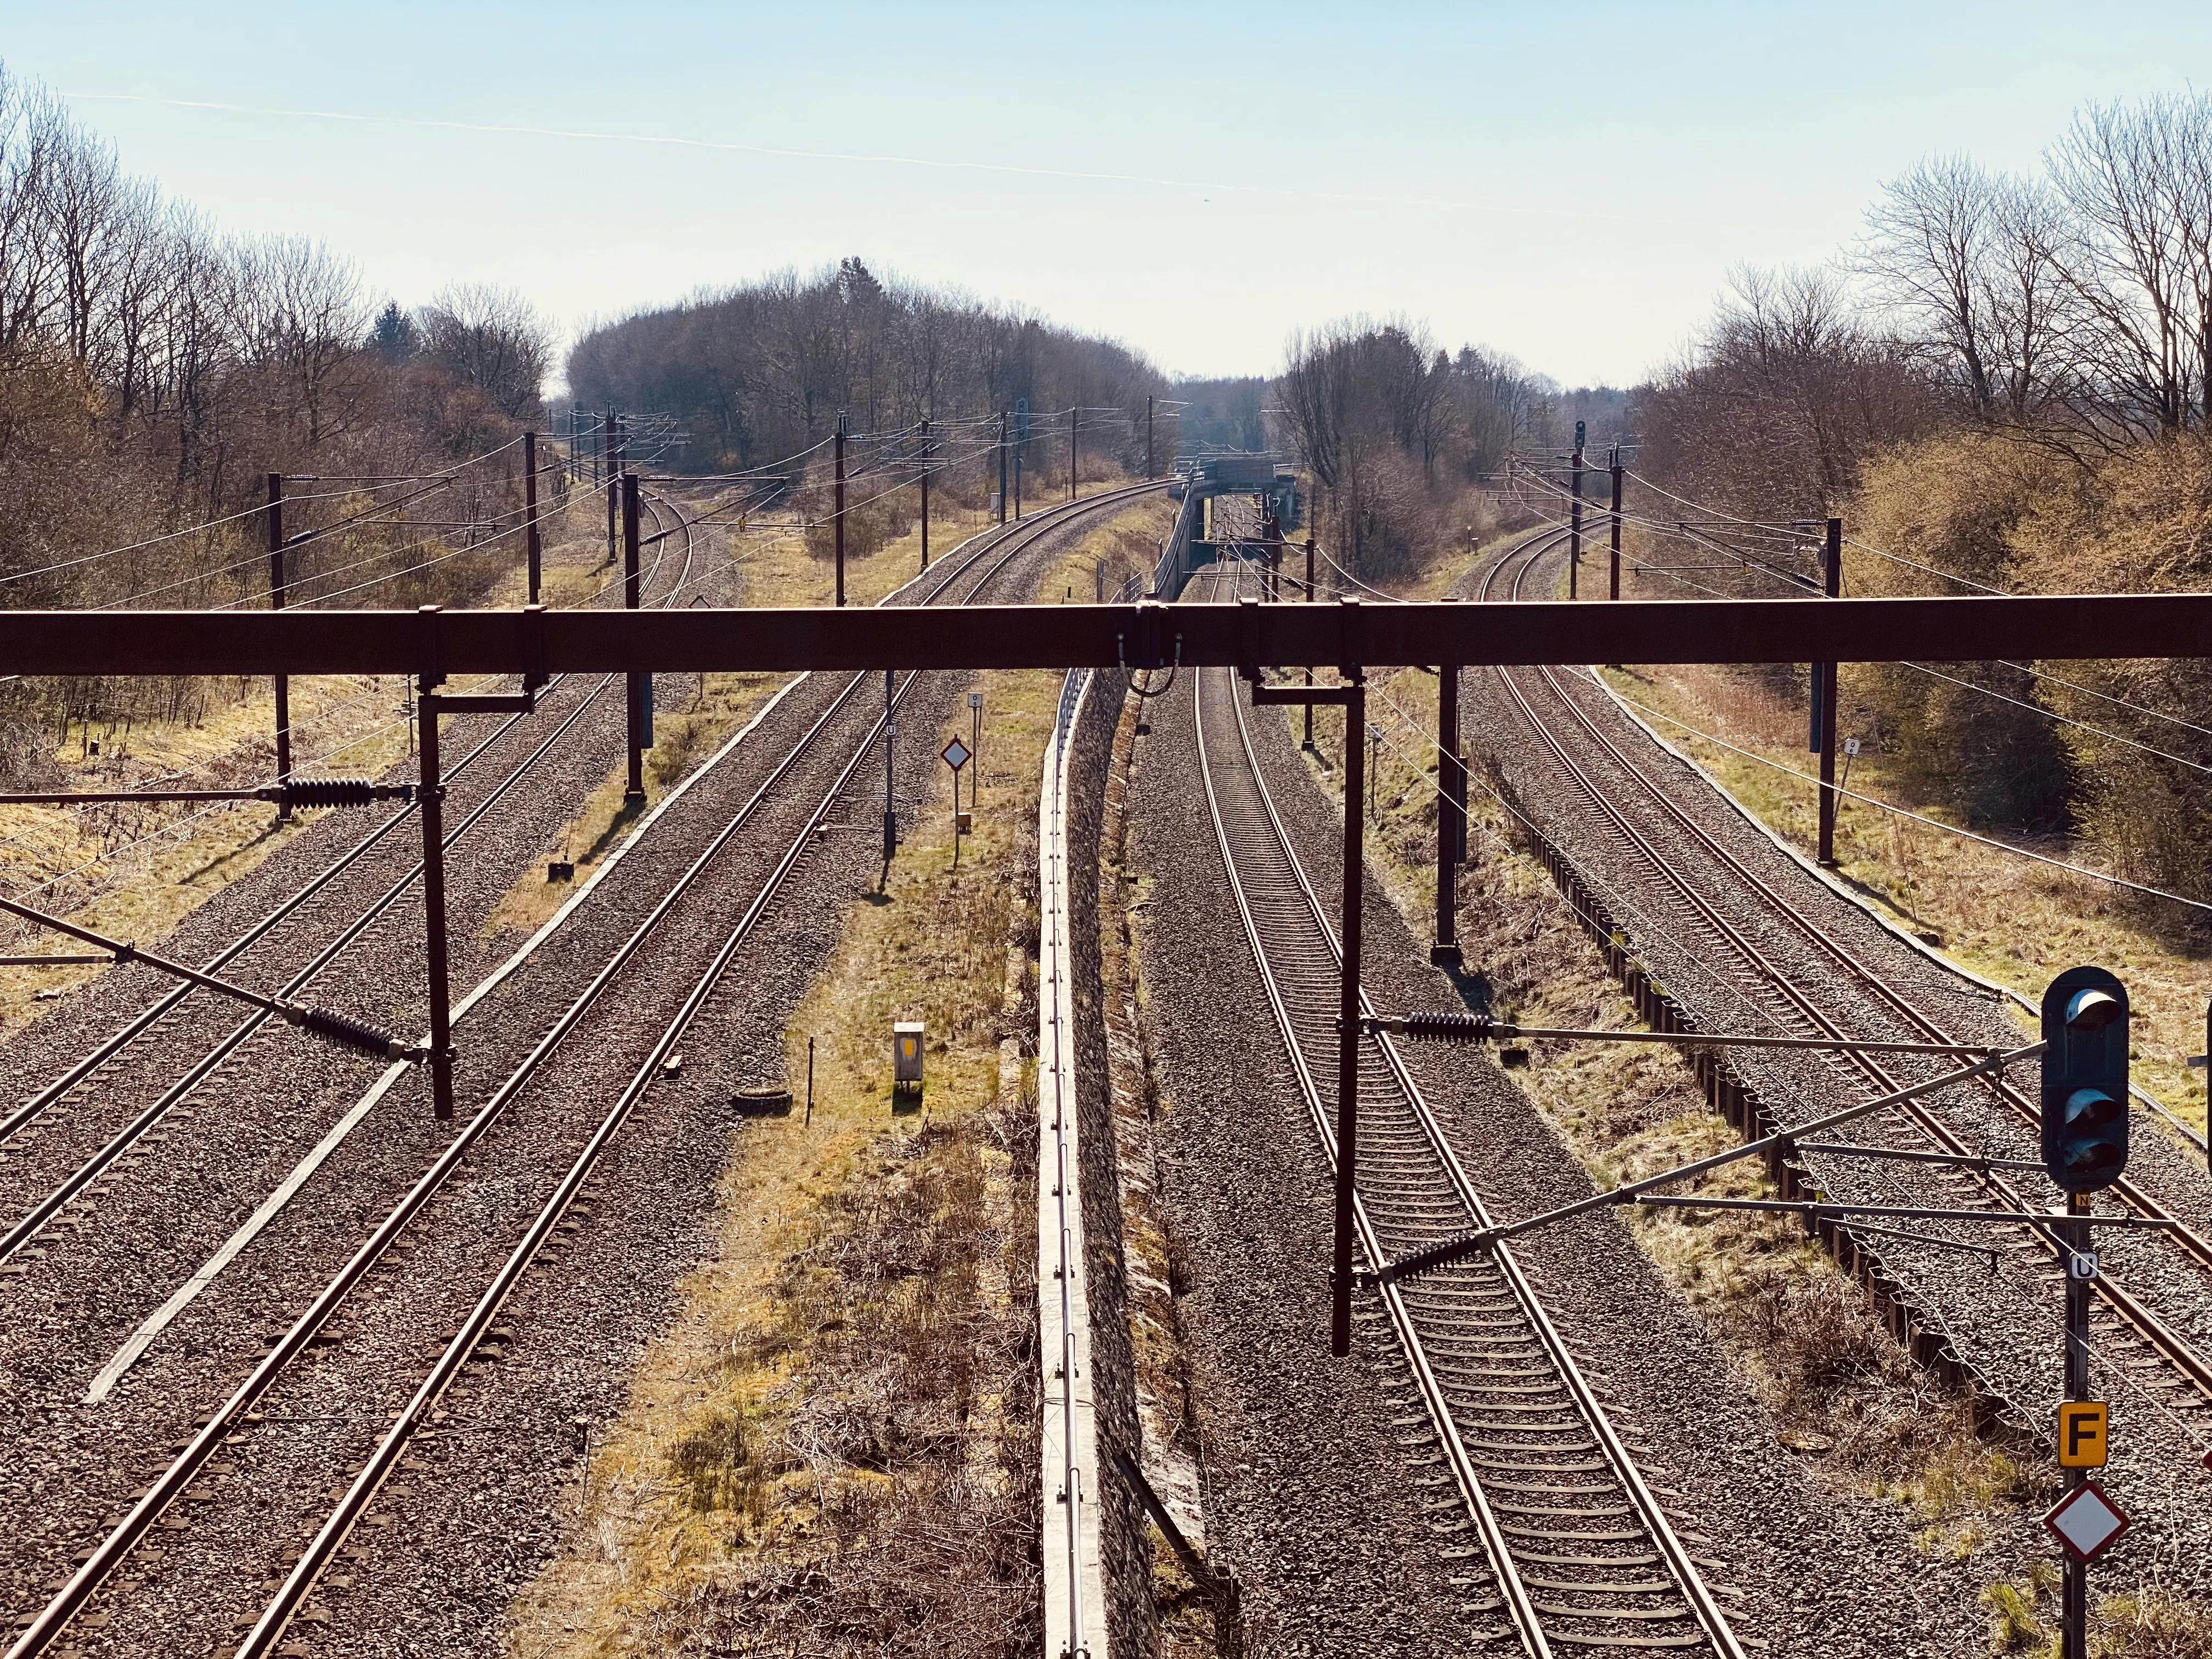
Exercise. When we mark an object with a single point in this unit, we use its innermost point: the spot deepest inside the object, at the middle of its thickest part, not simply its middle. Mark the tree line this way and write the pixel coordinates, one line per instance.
(2004, 384)
(762, 370)
(1408, 445)
(154, 369)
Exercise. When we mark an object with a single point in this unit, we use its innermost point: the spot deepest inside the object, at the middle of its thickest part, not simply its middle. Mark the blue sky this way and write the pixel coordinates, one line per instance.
(1571, 187)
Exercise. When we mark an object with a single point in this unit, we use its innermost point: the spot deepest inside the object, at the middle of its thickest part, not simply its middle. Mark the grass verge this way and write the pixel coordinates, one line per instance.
(2007, 918)
(837, 1439)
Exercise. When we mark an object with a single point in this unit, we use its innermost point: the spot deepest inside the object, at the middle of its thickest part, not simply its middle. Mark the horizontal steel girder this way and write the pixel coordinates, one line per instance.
(1142, 635)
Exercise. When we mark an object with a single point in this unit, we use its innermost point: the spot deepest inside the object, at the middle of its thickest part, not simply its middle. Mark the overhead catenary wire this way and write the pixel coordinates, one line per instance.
(1963, 582)
(1903, 812)
(233, 518)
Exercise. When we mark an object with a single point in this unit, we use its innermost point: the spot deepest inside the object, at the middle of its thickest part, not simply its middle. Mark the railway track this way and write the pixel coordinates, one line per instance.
(550, 1116)
(1780, 966)
(1577, 1554)
(139, 1061)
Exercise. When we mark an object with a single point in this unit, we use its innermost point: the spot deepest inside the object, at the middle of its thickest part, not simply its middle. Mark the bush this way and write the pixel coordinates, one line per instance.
(1956, 503)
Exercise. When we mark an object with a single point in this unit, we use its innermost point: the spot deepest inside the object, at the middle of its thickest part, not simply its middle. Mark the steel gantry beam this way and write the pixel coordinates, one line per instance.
(1144, 634)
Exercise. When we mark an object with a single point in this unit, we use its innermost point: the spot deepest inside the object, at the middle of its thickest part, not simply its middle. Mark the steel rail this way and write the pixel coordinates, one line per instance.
(2177, 1352)
(143, 1022)
(28, 1225)
(1700, 1605)
(32, 1221)
(107, 1556)
(275, 1618)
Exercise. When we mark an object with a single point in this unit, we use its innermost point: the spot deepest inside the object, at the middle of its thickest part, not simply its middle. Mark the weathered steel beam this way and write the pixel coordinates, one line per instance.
(1142, 635)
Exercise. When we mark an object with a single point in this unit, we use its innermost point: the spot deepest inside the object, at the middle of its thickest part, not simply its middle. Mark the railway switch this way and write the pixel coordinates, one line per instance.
(2085, 1079)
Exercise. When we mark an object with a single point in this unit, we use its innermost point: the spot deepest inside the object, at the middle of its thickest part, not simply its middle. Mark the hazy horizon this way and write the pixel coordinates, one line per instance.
(1571, 190)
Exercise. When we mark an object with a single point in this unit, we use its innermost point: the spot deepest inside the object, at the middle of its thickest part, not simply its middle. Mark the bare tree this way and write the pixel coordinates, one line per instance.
(1786, 394)
(492, 340)
(2123, 172)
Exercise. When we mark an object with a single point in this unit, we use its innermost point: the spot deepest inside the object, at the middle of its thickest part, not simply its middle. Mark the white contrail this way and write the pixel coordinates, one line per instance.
(855, 157)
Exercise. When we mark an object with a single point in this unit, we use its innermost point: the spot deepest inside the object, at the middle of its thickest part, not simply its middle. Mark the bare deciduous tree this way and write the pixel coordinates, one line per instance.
(492, 340)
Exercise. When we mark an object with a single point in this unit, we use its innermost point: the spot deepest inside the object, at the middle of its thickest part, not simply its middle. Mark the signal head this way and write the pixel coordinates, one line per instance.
(2085, 1079)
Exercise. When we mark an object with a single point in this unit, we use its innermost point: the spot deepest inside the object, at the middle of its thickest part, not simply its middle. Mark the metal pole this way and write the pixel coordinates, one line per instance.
(1074, 421)
(956, 818)
(809, 1082)
(841, 507)
(2074, 1609)
(530, 508)
(891, 813)
(1002, 466)
(430, 798)
(277, 596)
(641, 685)
(1833, 586)
(1018, 480)
(1618, 473)
(1149, 473)
(925, 494)
(1451, 799)
(975, 746)
(1575, 521)
(607, 451)
(1348, 1039)
(1309, 593)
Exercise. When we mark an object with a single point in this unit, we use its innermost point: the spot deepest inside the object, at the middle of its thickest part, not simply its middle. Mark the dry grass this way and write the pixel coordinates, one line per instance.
(833, 1451)
(1127, 544)
(2008, 919)
(686, 735)
(2153, 1622)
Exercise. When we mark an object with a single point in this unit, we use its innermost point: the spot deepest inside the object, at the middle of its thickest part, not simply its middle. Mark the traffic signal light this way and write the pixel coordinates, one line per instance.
(2085, 1079)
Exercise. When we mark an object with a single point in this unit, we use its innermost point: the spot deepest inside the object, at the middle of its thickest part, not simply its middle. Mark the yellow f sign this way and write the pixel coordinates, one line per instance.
(2084, 1438)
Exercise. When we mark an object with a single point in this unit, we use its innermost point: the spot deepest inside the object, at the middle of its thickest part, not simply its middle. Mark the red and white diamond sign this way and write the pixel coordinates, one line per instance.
(2085, 1521)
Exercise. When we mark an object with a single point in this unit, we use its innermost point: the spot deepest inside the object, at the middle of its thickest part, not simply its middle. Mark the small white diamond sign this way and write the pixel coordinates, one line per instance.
(2085, 1521)
(956, 754)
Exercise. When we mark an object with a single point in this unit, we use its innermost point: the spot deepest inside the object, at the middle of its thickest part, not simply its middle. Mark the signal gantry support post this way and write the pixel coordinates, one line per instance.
(1348, 1041)
(640, 699)
(1310, 680)
(1351, 697)
(430, 798)
(531, 543)
(1575, 521)
(891, 807)
(840, 446)
(1451, 816)
(1074, 425)
(1825, 691)
(2074, 1589)
(277, 596)
(1002, 466)
(925, 494)
(1613, 585)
